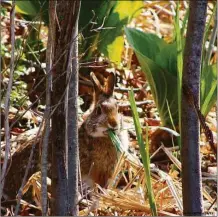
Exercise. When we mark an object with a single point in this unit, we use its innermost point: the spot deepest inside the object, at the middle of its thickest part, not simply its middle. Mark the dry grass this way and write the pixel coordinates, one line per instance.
(130, 197)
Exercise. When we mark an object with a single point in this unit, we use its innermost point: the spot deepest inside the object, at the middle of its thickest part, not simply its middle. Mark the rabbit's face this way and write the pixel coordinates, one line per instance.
(104, 117)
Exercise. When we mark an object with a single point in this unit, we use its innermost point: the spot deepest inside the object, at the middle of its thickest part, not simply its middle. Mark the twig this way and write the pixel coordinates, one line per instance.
(121, 89)
(126, 89)
(19, 195)
(39, 84)
(171, 187)
(7, 98)
(44, 163)
(156, 21)
(30, 106)
(33, 147)
(127, 104)
(25, 21)
(212, 204)
(90, 66)
(163, 9)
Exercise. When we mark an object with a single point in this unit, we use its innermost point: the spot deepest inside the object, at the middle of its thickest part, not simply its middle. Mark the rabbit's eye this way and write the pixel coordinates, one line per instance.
(98, 110)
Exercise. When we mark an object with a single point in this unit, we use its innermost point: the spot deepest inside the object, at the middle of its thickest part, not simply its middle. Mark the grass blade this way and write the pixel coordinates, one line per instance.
(212, 40)
(144, 151)
(117, 143)
(185, 21)
(179, 65)
(207, 32)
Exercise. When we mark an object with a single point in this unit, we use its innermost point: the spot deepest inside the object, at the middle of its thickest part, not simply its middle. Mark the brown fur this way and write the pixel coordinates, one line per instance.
(98, 155)
(98, 158)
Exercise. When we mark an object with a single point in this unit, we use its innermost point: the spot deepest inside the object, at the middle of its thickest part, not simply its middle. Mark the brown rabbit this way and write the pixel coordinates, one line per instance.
(98, 155)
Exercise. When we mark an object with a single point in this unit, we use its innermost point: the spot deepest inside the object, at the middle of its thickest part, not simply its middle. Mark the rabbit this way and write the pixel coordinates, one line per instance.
(98, 155)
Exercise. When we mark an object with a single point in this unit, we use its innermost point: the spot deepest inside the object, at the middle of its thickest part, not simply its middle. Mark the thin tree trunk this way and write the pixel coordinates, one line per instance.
(7, 100)
(72, 118)
(64, 167)
(191, 169)
(44, 157)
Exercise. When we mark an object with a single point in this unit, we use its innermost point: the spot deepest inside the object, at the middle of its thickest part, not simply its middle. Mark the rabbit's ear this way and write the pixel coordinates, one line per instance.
(109, 88)
(97, 86)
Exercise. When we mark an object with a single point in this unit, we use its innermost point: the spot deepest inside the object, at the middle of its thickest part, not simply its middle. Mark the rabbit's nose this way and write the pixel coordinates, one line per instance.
(112, 124)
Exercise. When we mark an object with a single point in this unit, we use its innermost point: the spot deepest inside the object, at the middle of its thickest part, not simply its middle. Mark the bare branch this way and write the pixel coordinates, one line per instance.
(20, 192)
(7, 98)
(44, 158)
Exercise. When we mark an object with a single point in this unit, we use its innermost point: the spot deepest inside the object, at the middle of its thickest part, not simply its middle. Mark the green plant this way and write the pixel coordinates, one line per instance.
(106, 35)
(144, 151)
(159, 62)
(179, 47)
(33, 10)
(25, 59)
(19, 88)
(101, 24)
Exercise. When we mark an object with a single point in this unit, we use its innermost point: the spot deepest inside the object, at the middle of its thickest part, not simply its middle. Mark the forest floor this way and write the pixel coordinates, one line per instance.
(127, 193)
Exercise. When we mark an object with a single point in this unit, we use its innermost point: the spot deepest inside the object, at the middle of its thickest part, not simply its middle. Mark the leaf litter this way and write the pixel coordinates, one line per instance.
(126, 193)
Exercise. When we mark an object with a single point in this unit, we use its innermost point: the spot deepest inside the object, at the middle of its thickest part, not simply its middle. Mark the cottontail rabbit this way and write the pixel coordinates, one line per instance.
(98, 155)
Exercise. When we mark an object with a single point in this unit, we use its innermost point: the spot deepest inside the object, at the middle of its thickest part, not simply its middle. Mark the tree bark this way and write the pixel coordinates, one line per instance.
(191, 169)
(44, 157)
(72, 118)
(65, 28)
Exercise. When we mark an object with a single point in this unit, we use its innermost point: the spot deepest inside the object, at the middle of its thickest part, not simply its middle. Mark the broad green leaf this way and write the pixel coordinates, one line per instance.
(159, 62)
(27, 8)
(127, 9)
(115, 49)
(168, 62)
(36, 10)
(162, 82)
(119, 16)
(101, 23)
(106, 35)
(148, 44)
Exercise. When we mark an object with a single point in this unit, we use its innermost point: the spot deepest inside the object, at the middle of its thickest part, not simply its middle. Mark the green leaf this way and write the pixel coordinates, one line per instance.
(115, 49)
(144, 151)
(208, 88)
(148, 44)
(159, 61)
(207, 32)
(33, 9)
(111, 41)
(179, 48)
(27, 8)
(116, 141)
(101, 23)
(106, 36)
(156, 63)
(168, 62)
